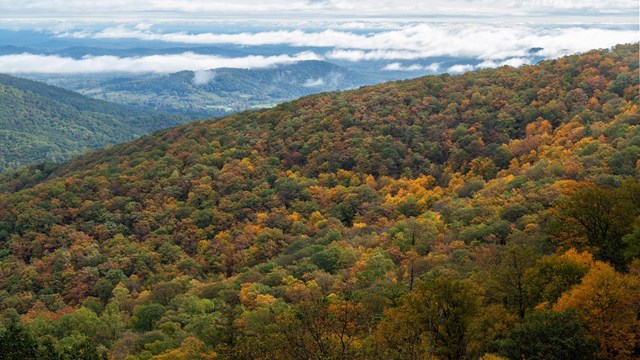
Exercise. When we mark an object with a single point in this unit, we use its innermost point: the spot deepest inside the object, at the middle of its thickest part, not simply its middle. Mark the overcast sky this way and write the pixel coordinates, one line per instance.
(184, 9)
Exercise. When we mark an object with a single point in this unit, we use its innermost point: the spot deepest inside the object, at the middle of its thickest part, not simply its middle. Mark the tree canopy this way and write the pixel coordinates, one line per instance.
(491, 214)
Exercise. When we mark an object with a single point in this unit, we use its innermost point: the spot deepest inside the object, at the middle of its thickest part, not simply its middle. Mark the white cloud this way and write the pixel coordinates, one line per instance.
(514, 62)
(360, 55)
(460, 68)
(203, 77)
(31, 63)
(413, 67)
(482, 41)
(393, 67)
(339, 7)
(311, 83)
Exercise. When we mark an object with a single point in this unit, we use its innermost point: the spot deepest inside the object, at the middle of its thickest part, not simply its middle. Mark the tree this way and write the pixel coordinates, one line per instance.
(77, 347)
(164, 292)
(553, 275)
(145, 316)
(507, 282)
(414, 236)
(596, 219)
(17, 344)
(402, 334)
(608, 303)
(321, 327)
(190, 349)
(446, 306)
(549, 336)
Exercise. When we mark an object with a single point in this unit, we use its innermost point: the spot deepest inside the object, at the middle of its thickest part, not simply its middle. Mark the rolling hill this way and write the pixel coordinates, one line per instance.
(489, 215)
(214, 92)
(41, 123)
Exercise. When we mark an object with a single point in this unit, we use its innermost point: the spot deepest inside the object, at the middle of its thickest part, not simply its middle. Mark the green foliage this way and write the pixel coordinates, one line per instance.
(146, 316)
(431, 217)
(227, 90)
(549, 335)
(40, 123)
(17, 344)
(604, 216)
(447, 306)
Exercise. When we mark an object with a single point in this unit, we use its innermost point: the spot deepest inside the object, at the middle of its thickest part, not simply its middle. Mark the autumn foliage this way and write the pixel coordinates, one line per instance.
(442, 217)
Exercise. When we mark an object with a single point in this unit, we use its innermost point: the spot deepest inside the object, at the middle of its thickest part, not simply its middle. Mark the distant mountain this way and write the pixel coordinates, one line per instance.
(78, 52)
(42, 123)
(216, 92)
(12, 50)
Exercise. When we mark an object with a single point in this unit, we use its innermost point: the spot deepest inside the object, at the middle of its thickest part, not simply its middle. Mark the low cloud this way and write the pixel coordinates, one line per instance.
(32, 63)
(361, 55)
(514, 62)
(413, 67)
(489, 45)
(311, 83)
(203, 77)
(459, 69)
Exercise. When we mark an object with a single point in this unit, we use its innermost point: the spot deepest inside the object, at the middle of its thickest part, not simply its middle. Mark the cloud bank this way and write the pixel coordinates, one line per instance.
(396, 66)
(481, 41)
(43, 64)
(489, 45)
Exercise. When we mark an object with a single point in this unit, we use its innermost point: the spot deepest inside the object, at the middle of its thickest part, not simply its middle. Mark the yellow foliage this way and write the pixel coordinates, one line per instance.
(300, 291)
(539, 127)
(295, 216)
(455, 183)
(531, 228)
(492, 357)
(224, 236)
(143, 297)
(370, 181)
(246, 163)
(315, 218)
(582, 258)
(246, 295)
(203, 246)
(607, 301)
(265, 299)
(261, 217)
(190, 349)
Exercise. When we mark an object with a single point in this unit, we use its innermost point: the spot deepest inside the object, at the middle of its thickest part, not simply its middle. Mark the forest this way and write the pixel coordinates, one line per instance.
(218, 92)
(489, 215)
(41, 123)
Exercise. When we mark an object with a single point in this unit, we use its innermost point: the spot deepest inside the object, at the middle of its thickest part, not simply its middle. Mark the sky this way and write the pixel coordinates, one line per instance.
(316, 8)
(394, 35)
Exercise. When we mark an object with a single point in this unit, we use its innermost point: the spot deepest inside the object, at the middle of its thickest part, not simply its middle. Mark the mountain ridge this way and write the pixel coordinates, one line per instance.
(341, 225)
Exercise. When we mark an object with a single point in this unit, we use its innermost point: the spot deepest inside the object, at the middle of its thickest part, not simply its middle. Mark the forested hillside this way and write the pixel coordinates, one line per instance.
(216, 92)
(41, 123)
(493, 214)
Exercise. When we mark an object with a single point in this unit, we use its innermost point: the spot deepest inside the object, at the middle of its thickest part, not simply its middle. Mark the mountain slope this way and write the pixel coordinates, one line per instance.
(220, 91)
(41, 123)
(341, 225)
